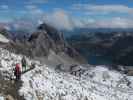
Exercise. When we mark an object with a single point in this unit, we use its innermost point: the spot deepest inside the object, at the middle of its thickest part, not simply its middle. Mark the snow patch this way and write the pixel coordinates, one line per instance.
(3, 39)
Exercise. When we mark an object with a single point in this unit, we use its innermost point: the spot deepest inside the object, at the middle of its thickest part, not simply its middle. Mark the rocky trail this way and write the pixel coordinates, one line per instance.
(9, 89)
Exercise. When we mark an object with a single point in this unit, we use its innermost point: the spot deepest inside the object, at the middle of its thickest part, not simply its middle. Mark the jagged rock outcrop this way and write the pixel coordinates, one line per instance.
(47, 38)
(41, 42)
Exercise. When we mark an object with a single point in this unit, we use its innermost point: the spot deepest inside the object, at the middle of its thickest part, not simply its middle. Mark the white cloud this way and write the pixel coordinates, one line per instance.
(36, 1)
(78, 23)
(31, 7)
(33, 11)
(4, 7)
(29, 19)
(115, 22)
(60, 19)
(104, 9)
(34, 16)
(107, 21)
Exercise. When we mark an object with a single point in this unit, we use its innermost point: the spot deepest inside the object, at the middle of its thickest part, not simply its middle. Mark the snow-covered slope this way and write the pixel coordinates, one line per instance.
(3, 39)
(82, 83)
(96, 84)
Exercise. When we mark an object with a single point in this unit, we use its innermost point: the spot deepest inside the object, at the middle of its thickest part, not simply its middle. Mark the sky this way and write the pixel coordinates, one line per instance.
(66, 14)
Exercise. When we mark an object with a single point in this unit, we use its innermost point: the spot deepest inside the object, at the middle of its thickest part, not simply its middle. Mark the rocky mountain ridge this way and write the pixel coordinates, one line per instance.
(41, 42)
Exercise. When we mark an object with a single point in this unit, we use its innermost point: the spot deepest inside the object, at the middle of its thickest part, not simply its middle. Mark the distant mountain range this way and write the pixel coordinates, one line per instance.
(94, 30)
(110, 47)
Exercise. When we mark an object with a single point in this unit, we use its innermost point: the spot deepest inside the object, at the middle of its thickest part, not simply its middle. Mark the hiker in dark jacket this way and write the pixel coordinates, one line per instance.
(17, 72)
(24, 64)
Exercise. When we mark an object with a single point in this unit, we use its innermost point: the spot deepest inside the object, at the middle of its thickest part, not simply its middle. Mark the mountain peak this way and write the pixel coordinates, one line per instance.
(45, 39)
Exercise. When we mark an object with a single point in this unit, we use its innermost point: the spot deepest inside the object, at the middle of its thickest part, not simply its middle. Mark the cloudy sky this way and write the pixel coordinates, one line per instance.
(67, 14)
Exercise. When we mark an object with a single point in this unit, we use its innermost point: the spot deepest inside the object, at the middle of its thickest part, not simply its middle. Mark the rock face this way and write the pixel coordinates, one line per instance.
(41, 42)
(47, 38)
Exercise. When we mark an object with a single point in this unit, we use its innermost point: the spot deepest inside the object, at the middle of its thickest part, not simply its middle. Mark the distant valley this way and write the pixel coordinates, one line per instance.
(105, 47)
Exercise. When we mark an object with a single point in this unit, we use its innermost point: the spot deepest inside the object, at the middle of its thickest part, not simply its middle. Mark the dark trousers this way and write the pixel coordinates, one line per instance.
(18, 77)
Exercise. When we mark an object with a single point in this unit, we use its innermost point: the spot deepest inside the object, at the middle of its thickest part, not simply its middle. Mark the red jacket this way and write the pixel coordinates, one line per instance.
(17, 69)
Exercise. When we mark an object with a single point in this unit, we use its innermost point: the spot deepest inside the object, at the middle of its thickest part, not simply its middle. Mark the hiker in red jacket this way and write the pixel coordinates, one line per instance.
(17, 72)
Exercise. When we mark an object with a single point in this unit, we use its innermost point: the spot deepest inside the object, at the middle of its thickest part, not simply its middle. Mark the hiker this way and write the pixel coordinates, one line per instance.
(23, 63)
(17, 72)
